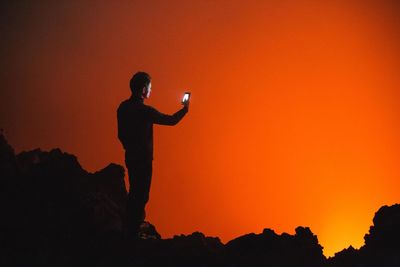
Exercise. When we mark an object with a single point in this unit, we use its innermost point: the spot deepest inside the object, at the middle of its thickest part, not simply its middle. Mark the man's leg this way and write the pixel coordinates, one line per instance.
(140, 173)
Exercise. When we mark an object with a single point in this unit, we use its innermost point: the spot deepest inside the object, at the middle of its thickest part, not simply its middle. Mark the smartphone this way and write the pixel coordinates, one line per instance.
(186, 97)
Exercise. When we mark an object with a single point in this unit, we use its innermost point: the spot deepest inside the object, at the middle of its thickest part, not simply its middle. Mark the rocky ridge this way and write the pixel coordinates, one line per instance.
(54, 213)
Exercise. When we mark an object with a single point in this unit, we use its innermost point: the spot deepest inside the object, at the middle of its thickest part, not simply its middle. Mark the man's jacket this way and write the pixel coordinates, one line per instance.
(135, 127)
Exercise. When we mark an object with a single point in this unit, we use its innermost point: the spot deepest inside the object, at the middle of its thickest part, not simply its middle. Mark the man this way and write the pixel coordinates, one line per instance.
(135, 131)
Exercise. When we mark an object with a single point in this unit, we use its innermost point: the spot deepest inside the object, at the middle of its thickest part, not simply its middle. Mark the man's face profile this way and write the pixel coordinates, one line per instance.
(147, 91)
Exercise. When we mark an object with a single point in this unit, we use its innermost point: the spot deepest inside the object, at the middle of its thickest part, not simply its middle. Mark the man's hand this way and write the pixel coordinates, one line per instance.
(186, 104)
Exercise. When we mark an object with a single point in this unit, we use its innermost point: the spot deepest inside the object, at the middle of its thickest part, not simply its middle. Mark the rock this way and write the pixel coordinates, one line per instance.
(382, 243)
(270, 249)
(148, 231)
(8, 162)
(385, 233)
(54, 213)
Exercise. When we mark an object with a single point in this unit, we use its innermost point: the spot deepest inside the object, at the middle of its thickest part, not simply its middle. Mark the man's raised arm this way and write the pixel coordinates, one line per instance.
(164, 119)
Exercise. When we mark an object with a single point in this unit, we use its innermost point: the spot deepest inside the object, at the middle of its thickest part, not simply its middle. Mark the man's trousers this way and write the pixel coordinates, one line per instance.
(140, 172)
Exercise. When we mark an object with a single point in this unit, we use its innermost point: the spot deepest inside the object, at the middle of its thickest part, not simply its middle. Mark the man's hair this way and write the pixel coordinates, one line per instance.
(139, 80)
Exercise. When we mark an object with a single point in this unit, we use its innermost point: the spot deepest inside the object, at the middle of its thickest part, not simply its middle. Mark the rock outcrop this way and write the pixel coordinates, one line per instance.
(270, 249)
(382, 243)
(54, 213)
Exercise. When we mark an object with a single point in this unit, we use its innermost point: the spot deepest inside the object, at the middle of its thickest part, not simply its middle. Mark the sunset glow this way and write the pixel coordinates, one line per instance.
(294, 114)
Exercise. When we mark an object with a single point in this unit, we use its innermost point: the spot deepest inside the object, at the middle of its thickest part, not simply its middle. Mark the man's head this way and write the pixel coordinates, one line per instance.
(141, 85)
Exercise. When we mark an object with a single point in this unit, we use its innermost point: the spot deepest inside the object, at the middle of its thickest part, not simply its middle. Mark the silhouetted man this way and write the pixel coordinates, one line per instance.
(135, 131)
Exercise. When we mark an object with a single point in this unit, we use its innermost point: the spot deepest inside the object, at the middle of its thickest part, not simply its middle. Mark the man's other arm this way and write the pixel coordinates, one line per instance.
(121, 125)
(164, 119)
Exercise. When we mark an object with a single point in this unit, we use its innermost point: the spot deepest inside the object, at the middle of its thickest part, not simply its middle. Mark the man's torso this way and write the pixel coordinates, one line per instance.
(135, 129)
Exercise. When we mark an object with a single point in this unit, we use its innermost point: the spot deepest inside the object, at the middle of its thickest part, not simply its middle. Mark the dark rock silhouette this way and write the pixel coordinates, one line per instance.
(382, 243)
(268, 248)
(53, 210)
(54, 213)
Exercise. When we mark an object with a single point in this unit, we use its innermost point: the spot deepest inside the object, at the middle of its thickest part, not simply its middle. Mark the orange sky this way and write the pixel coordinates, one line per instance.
(294, 117)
